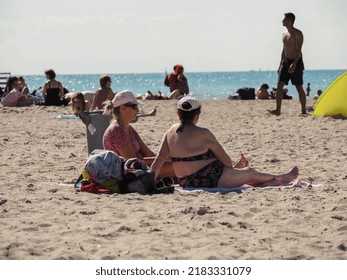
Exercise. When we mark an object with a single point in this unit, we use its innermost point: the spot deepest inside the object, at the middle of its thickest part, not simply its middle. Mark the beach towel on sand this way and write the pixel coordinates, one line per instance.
(294, 184)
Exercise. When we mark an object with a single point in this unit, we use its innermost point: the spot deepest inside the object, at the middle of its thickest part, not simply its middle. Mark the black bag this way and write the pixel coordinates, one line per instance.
(137, 177)
(140, 179)
(246, 93)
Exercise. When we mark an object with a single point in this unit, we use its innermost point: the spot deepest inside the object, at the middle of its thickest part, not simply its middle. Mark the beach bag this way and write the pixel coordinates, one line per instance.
(246, 93)
(103, 170)
(138, 177)
(104, 164)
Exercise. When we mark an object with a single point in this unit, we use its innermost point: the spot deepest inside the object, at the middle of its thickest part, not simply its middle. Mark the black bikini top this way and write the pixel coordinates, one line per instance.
(209, 154)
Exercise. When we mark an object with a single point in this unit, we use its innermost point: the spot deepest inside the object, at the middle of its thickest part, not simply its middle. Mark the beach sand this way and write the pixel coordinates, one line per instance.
(43, 219)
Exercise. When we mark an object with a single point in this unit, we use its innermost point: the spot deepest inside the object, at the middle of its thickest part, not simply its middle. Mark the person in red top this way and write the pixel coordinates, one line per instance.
(122, 138)
(14, 97)
(177, 83)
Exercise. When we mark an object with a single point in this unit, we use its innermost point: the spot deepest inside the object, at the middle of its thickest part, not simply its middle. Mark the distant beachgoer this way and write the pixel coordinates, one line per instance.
(285, 94)
(102, 94)
(14, 97)
(291, 66)
(150, 96)
(262, 92)
(199, 160)
(177, 82)
(79, 104)
(53, 90)
(22, 86)
(319, 92)
(11, 83)
(123, 139)
(308, 89)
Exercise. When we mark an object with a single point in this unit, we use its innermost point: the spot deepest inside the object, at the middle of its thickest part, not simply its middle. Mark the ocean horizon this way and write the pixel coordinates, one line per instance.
(203, 85)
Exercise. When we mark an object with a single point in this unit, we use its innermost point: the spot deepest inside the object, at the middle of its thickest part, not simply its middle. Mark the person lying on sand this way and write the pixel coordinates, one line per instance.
(79, 104)
(150, 96)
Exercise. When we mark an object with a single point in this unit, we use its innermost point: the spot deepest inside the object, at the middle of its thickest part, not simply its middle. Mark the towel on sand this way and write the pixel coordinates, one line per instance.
(64, 116)
(293, 184)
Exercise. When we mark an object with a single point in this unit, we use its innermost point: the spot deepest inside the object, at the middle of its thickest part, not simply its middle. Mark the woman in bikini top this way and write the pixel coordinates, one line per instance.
(186, 137)
(102, 94)
(209, 154)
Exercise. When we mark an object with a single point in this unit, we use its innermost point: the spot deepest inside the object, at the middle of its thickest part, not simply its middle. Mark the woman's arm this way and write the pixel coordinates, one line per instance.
(144, 150)
(110, 95)
(217, 149)
(127, 152)
(161, 157)
(44, 91)
(61, 90)
(25, 91)
(92, 108)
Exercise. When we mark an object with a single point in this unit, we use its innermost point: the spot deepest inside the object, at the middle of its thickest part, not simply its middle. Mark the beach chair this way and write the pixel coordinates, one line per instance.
(96, 124)
(3, 80)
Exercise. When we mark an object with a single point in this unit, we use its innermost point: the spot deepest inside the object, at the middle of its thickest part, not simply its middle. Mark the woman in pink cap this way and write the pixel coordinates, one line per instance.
(123, 139)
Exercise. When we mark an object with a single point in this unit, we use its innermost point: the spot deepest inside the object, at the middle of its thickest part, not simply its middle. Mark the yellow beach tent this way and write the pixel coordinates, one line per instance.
(333, 101)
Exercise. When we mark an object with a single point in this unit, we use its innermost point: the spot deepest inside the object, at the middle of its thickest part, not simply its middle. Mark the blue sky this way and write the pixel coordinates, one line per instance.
(139, 36)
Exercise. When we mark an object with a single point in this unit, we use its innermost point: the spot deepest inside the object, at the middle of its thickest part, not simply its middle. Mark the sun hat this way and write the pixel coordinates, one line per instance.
(123, 97)
(194, 103)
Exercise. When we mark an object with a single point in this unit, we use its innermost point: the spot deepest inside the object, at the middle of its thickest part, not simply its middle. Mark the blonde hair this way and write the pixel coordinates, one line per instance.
(109, 108)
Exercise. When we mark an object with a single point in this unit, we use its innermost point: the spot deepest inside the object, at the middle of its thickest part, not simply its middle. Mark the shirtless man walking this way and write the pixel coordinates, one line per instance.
(291, 66)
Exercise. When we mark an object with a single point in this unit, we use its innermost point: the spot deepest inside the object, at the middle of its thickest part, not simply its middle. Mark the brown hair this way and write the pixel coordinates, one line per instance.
(103, 80)
(186, 116)
(266, 86)
(50, 73)
(110, 108)
(9, 84)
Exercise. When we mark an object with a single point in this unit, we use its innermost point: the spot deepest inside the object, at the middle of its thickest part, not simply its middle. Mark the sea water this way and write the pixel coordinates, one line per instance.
(203, 85)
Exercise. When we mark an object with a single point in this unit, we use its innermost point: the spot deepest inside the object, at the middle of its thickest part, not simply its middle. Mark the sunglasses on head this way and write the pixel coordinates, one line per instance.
(132, 105)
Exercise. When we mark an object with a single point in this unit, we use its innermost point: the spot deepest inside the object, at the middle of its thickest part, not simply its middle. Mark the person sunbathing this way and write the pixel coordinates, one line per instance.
(150, 96)
(199, 160)
(79, 104)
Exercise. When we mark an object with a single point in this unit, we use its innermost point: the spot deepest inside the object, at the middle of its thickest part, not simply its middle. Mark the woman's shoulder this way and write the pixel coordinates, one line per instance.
(112, 127)
(53, 84)
(98, 91)
(201, 129)
(174, 126)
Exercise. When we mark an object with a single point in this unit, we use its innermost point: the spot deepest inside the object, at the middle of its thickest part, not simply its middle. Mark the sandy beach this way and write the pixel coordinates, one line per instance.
(44, 219)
